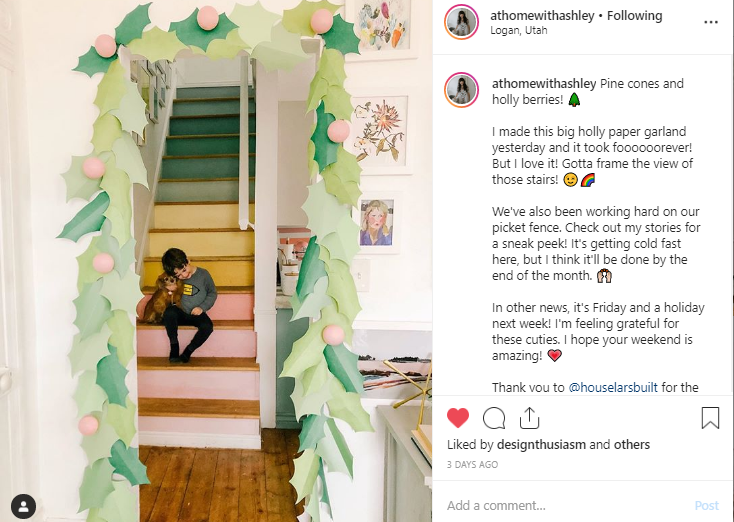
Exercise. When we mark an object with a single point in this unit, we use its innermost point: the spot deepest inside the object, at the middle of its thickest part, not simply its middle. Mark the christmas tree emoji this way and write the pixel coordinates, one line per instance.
(574, 101)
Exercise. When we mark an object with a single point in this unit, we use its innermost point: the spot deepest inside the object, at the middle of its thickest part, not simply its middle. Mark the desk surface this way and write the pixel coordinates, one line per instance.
(400, 422)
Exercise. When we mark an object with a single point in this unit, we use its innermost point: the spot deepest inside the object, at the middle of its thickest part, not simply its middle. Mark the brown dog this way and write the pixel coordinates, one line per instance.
(169, 292)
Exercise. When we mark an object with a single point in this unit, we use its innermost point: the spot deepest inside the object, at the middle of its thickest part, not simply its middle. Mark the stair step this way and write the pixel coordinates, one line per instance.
(200, 167)
(206, 144)
(220, 290)
(226, 364)
(225, 270)
(220, 324)
(228, 305)
(207, 92)
(194, 190)
(214, 214)
(153, 342)
(208, 124)
(209, 408)
(206, 106)
(203, 242)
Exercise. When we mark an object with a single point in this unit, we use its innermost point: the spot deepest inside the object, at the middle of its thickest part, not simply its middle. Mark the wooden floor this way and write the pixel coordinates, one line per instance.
(210, 485)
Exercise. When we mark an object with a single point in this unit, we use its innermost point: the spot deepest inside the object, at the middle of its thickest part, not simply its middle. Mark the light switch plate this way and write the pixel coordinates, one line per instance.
(361, 272)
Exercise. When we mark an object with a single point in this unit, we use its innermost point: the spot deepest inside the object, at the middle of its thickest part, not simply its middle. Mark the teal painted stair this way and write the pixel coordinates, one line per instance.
(214, 400)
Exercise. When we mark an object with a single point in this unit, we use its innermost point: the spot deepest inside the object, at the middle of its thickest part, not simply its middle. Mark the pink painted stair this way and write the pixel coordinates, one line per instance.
(233, 302)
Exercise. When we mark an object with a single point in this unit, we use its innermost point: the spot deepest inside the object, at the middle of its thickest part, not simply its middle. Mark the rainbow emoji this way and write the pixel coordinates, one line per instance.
(588, 180)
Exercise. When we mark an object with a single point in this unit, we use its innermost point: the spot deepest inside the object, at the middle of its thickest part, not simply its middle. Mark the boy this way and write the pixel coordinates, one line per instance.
(199, 295)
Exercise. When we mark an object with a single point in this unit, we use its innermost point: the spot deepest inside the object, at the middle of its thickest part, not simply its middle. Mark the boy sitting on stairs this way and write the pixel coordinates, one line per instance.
(199, 295)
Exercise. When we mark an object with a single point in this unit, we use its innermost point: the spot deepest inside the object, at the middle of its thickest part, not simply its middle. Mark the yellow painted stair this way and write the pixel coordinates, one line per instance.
(202, 242)
(206, 214)
(225, 270)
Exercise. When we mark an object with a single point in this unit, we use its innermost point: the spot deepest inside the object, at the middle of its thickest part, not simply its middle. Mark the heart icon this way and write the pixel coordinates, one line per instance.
(458, 417)
(554, 354)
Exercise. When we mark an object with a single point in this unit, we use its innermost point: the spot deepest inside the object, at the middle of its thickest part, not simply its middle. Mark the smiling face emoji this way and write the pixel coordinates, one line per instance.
(570, 179)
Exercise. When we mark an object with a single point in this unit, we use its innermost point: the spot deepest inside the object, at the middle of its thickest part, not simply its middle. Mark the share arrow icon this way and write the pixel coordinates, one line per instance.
(530, 422)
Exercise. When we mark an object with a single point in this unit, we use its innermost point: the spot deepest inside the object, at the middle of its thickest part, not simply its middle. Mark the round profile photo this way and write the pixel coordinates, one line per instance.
(461, 89)
(461, 22)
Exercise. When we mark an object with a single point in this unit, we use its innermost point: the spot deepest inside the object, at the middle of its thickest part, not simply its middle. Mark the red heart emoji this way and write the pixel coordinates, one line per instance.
(458, 417)
(554, 354)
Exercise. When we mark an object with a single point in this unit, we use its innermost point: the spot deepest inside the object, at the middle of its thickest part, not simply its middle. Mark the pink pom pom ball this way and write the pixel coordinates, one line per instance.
(321, 21)
(333, 335)
(105, 46)
(338, 131)
(207, 18)
(93, 168)
(103, 263)
(88, 425)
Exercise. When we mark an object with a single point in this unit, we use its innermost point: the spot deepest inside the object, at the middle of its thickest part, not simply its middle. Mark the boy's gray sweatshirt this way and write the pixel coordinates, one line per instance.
(198, 290)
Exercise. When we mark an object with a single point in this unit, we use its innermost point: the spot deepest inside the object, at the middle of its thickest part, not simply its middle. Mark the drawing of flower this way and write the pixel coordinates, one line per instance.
(380, 130)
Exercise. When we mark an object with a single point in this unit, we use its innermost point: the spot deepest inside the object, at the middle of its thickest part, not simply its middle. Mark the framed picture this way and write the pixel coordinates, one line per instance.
(153, 102)
(378, 217)
(169, 72)
(381, 129)
(151, 67)
(384, 28)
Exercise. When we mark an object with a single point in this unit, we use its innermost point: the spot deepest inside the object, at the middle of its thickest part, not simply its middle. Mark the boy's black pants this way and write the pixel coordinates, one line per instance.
(174, 316)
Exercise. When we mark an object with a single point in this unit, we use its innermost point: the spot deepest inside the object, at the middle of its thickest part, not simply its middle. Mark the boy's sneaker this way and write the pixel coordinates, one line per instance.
(173, 357)
(186, 355)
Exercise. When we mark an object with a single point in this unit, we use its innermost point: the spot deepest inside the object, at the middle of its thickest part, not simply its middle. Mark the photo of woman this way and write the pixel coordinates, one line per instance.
(461, 22)
(462, 93)
(461, 90)
(376, 226)
(462, 26)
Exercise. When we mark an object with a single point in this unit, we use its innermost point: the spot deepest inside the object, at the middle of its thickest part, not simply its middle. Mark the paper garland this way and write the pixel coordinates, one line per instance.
(326, 378)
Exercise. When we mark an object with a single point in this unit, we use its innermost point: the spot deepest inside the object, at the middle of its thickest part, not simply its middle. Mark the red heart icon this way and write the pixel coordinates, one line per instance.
(458, 417)
(554, 354)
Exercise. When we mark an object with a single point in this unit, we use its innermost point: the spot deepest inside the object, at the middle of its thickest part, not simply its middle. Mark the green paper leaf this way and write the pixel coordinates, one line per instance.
(88, 219)
(121, 505)
(324, 211)
(331, 68)
(131, 111)
(228, 48)
(298, 19)
(92, 63)
(128, 158)
(338, 102)
(98, 446)
(88, 396)
(343, 174)
(122, 336)
(343, 365)
(157, 44)
(341, 37)
(324, 489)
(122, 420)
(342, 243)
(190, 33)
(93, 516)
(334, 451)
(348, 407)
(308, 350)
(314, 302)
(312, 269)
(325, 152)
(312, 431)
(123, 257)
(117, 184)
(85, 354)
(77, 184)
(314, 378)
(307, 469)
(96, 485)
(256, 23)
(313, 167)
(316, 92)
(282, 52)
(133, 24)
(312, 404)
(107, 130)
(111, 89)
(122, 293)
(312, 507)
(92, 310)
(126, 462)
(342, 288)
(111, 378)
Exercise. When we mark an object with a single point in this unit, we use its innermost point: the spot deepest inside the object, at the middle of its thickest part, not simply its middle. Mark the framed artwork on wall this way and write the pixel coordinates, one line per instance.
(381, 129)
(384, 29)
(153, 102)
(378, 217)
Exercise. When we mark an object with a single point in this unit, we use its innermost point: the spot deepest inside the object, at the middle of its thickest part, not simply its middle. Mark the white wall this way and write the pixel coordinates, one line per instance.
(60, 117)
(293, 179)
(199, 71)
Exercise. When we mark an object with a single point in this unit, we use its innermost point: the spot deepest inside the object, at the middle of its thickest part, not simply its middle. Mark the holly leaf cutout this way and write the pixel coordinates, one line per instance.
(86, 353)
(97, 446)
(157, 44)
(92, 63)
(117, 185)
(323, 210)
(325, 153)
(341, 37)
(128, 158)
(111, 89)
(343, 365)
(96, 485)
(282, 52)
(89, 397)
(77, 184)
(334, 451)
(132, 25)
(312, 431)
(312, 404)
(190, 33)
(228, 48)
(111, 378)
(122, 420)
(121, 505)
(255, 22)
(131, 110)
(342, 289)
(122, 335)
(338, 102)
(106, 131)
(122, 293)
(298, 19)
(307, 469)
(342, 243)
(348, 407)
(126, 462)
(88, 219)
(314, 302)
(312, 269)
(92, 310)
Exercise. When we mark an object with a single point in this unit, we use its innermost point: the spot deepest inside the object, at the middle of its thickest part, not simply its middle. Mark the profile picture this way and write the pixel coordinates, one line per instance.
(461, 89)
(376, 217)
(461, 21)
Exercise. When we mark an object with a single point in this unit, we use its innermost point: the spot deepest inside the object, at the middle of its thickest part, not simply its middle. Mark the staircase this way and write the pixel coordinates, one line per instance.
(213, 401)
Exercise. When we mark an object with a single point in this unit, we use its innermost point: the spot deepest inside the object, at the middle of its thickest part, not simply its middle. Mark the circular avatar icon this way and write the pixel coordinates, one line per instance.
(461, 90)
(23, 506)
(570, 179)
(461, 22)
